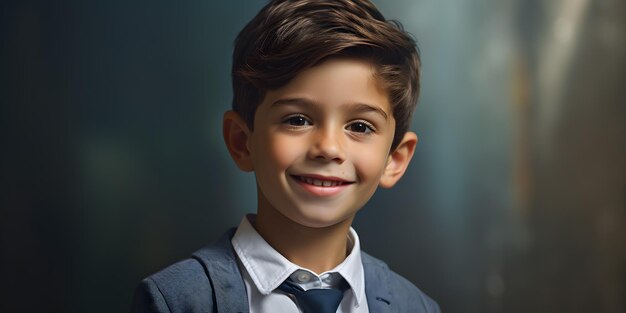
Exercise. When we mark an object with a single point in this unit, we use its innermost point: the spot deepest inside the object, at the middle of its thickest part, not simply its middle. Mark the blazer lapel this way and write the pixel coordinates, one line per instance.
(377, 291)
(221, 265)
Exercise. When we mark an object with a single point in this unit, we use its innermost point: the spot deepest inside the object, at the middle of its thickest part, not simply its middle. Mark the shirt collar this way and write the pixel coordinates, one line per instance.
(268, 268)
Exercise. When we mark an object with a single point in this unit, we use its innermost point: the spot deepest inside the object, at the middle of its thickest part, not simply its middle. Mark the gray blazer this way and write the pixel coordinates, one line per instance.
(210, 281)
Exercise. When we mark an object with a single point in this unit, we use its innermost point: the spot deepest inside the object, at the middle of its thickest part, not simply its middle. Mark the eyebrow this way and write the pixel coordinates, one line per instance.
(356, 107)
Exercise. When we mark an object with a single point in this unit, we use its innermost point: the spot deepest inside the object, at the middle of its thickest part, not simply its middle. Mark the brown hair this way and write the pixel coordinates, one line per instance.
(288, 36)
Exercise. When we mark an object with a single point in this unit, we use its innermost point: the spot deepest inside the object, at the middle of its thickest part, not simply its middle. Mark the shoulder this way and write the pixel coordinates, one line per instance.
(404, 294)
(411, 296)
(178, 287)
(194, 284)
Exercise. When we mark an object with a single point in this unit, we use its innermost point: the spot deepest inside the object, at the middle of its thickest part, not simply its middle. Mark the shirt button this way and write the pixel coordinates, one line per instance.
(303, 277)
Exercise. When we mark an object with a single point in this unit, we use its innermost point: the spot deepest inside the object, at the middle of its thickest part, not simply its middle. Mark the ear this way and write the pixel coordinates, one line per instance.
(236, 134)
(398, 160)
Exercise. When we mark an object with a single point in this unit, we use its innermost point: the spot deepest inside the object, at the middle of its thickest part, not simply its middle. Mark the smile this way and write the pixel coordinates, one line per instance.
(319, 182)
(322, 185)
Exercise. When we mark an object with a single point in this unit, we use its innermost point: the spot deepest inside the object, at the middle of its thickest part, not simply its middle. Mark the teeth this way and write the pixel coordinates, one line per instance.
(317, 182)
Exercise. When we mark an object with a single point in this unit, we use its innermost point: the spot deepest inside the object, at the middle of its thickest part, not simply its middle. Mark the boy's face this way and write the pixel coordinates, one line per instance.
(321, 143)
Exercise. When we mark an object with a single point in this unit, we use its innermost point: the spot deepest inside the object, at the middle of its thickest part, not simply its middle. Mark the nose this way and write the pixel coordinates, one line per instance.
(328, 145)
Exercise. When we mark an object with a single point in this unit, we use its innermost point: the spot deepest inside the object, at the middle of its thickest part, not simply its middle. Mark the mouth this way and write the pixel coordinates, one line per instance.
(319, 185)
(321, 181)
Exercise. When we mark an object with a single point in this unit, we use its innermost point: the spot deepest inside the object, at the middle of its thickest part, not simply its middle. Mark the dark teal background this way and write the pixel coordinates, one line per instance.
(112, 162)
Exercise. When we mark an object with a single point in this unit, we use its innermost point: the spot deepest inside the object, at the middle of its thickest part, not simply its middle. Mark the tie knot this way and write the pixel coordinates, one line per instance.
(314, 300)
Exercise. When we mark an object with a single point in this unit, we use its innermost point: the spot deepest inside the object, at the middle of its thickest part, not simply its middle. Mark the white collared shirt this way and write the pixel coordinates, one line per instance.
(264, 269)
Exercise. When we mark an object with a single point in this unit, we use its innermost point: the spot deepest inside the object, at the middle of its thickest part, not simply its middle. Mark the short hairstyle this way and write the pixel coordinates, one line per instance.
(288, 36)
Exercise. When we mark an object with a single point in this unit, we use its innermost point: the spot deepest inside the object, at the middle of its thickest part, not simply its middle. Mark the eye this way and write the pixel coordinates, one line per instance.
(297, 120)
(360, 127)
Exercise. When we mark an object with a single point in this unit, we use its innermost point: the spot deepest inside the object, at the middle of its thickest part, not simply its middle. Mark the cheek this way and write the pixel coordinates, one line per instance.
(284, 150)
(370, 166)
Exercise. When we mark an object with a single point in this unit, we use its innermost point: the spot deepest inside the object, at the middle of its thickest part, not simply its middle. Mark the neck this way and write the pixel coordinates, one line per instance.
(317, 249)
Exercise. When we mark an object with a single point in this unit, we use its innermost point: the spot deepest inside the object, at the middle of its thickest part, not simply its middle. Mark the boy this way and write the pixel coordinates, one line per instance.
(323, 94)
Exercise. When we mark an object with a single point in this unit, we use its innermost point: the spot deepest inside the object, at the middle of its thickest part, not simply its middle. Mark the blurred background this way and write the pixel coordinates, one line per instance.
(112, 162)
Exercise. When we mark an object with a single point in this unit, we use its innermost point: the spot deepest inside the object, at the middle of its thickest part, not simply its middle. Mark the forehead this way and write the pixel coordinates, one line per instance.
(335, 82)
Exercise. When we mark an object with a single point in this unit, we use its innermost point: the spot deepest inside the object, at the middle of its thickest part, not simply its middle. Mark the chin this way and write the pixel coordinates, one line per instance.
(318, 219)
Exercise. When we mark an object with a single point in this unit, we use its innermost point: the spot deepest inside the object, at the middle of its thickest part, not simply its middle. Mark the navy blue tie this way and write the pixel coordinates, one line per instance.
(314, 300)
